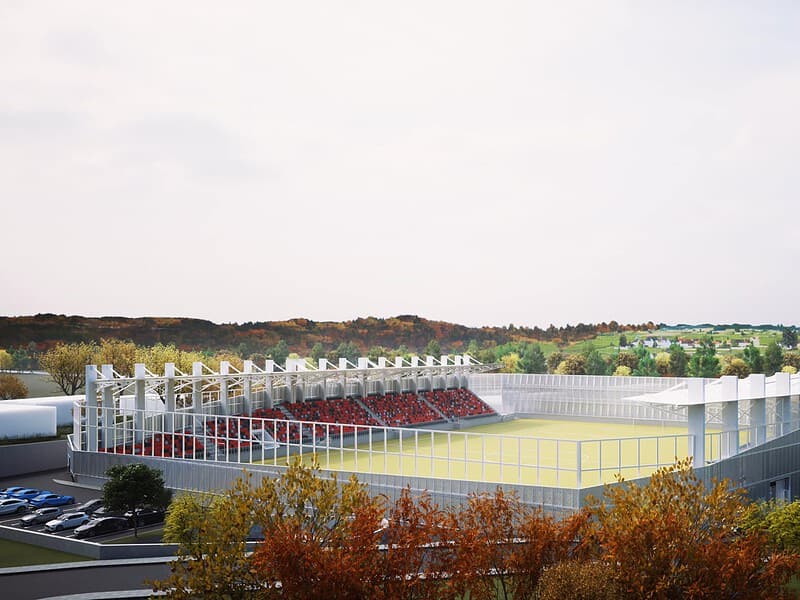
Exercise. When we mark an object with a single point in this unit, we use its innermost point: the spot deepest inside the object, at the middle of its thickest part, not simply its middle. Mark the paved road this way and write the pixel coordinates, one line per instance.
(44, 584)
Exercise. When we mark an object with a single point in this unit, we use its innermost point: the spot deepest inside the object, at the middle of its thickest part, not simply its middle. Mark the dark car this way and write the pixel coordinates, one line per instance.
(101, 526)
(146, 516)
(104, 511)
(90, 507)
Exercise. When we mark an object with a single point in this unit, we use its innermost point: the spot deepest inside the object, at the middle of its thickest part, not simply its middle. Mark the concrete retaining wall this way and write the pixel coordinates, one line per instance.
(19, 459)
(90, 549)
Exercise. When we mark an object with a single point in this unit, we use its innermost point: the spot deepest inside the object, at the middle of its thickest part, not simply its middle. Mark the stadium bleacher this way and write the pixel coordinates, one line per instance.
(235, 433)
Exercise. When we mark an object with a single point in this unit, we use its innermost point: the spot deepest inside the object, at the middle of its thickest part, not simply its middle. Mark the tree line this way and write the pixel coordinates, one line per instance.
(670, 538)
(66, 362)
(674, 361)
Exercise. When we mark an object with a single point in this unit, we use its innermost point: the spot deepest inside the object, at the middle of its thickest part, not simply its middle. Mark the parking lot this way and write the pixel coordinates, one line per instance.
(50, 481)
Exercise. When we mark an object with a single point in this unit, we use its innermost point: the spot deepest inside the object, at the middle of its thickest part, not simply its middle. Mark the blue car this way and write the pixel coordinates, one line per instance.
(6, 493)
(50, 499)
(29, 493)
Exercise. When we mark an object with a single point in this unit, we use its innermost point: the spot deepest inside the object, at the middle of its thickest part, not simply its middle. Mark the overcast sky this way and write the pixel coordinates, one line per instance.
(476, 162)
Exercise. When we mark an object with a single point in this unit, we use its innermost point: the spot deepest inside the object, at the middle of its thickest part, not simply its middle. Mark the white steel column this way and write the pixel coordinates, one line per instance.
(197, 389)
(169, 396)
(138, 415)
(224, 371)
(109, 412)
(91, 408)
(322, 365)
(783, 402)
(269, 368)
(697, 420)
(758, 406)
(247, 388)
(730, 415)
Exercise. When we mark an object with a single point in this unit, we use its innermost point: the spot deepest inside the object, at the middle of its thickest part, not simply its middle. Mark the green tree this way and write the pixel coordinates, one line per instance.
(595, 365)
(553, 360)
(623, 340)
(317, 352)
(433, 348)
(532, 359)
(704, 362)
(773, 359)
(21, 359)
(646, 365)
(349, 351)
(134, 486)
(12, 387)
(752, 356)
(280, 352)
(66, 365)
(678, 361)
(789, 337)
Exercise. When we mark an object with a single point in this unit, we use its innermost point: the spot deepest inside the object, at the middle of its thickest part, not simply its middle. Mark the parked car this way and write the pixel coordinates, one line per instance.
(104, 511)
(6, 492)
(29, 493)
(146, 516)
(51, 499)
(68, 520)
(10, 506)
(101, 526)
(89, 507)
(43, 515)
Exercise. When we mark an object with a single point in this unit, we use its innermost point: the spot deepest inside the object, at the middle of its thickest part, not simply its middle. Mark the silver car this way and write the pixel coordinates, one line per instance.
(68, 520)
(43, 515)
(9, 506)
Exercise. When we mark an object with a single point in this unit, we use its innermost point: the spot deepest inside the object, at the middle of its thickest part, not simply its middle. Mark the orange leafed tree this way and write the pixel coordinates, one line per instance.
(673, 538)
(501, 546)
(414, 551)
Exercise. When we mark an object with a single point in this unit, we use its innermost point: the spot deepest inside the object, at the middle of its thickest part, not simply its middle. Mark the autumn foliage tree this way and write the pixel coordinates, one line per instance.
(670, 538)
(66, 365)
(673, 538)
(12, 387)
(501, 546)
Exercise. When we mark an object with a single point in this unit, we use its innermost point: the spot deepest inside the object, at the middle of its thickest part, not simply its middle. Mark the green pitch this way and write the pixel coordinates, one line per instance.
(522, 451)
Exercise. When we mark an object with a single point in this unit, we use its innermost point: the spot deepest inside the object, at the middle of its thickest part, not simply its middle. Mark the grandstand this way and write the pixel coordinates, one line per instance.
(445, 425)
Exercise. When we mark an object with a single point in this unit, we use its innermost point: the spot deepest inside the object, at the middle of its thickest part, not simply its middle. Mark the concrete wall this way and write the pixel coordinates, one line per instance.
(19, 459)
(91, 549)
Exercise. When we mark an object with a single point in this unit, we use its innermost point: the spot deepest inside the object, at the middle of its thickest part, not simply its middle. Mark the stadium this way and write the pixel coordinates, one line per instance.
(448, 425)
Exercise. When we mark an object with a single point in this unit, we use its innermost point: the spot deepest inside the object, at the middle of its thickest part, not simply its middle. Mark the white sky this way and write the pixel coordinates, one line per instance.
(476, 162)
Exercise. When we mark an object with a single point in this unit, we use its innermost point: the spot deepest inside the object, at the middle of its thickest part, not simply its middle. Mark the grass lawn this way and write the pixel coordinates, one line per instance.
(39, 386)
(522, 451)
(16, 554)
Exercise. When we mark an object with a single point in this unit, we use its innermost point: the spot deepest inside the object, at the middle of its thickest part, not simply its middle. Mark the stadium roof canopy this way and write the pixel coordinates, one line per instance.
(724, 389)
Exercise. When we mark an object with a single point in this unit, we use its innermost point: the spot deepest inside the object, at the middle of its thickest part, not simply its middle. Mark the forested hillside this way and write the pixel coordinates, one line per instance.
(40, 332)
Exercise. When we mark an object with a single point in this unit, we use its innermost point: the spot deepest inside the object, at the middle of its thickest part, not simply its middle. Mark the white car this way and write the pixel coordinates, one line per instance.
(68, 520)
(10, 506)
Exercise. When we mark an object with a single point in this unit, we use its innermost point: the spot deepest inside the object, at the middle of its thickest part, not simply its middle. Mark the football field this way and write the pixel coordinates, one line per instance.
(548, 452)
